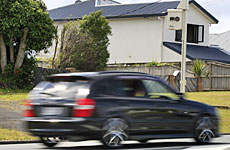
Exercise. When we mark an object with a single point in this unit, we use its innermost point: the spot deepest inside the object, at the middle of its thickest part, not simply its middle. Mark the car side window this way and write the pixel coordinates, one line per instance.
(133, 87)
(109, 87)
(156, 89)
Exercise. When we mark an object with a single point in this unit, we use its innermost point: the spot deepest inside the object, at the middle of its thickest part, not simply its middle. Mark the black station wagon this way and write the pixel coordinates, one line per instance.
(114, 107)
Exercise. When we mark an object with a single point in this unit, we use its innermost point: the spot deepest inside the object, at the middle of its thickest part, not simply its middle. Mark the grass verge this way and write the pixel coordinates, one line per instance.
(13, 97)
(224, 121)
(215, 99)
(211, 98)
(14, 135)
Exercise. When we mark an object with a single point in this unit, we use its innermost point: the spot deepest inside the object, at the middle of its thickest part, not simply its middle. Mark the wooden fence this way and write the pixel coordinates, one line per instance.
(217, 80)
(164, 72)
(153, 70)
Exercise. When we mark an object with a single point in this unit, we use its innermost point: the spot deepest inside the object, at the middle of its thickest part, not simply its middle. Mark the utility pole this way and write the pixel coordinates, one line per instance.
(177, 20)
(184, 6)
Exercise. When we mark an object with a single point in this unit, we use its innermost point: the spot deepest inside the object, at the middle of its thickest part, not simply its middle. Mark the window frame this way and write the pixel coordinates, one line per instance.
(178, 34)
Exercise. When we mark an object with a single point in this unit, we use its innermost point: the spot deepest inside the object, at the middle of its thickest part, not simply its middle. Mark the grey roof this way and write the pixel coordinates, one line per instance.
(222, 40)
(77, 11)
(201, 52)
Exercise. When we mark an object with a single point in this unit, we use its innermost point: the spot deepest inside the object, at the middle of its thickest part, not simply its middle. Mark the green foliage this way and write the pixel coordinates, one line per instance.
(15, 15)
(158, 64)
(199, 68)
(22, 78)
(85, 43)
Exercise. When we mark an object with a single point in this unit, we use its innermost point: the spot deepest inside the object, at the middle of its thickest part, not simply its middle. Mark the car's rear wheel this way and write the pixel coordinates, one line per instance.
(203, 130)
(114, 132)
(50, 141)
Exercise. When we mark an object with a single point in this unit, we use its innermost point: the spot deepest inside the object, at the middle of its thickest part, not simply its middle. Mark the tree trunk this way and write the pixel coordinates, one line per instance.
(199, 84)
(11, 50)
(3, 53)
(21, 50)
(56, 46)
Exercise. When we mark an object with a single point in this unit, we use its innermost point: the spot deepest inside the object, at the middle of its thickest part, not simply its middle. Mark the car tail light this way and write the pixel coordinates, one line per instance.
(28, 110)
(84, 108)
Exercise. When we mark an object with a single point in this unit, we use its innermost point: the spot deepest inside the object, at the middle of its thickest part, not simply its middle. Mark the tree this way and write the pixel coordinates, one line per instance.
(25, 26)
(84, 43)
(199, 68)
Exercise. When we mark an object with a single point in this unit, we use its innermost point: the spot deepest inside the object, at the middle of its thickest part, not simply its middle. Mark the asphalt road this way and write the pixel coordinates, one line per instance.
(222, 143)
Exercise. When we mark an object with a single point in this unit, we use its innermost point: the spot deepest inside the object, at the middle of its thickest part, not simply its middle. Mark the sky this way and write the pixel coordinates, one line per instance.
(218, 8)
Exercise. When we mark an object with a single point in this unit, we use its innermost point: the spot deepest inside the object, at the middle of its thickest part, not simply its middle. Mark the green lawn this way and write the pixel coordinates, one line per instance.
(211, 98)
(14, 135)
(16, 95)
(224, 121)
(215, 99)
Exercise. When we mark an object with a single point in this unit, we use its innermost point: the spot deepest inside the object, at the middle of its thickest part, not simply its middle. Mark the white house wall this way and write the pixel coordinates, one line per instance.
(171, 56)
(136, 40)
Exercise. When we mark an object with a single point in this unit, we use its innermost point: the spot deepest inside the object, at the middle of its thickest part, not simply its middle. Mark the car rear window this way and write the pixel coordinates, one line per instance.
(62, 87)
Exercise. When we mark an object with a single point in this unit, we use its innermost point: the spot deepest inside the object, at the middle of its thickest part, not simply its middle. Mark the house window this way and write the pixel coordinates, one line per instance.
(195, 34)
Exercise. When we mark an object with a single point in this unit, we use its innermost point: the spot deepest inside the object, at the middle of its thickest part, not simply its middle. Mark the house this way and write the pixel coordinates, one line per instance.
(140, 33)
(221, 40)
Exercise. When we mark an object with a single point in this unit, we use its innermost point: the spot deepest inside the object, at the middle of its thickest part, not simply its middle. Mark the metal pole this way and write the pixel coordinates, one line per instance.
(183, 51)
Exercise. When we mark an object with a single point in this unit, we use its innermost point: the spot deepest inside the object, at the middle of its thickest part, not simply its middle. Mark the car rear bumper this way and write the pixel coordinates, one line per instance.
(63, 127)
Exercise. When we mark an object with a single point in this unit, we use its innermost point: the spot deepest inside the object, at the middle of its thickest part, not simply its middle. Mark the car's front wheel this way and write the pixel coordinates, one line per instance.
(203, 130)
(114, 132)
(50, 141)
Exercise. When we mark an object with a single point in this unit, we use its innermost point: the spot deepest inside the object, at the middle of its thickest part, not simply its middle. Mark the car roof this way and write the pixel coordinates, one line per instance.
(100, 74)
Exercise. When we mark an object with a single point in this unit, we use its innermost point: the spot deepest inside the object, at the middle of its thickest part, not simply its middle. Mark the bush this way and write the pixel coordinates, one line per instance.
(84, 44)
(22, 78)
